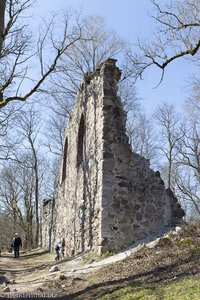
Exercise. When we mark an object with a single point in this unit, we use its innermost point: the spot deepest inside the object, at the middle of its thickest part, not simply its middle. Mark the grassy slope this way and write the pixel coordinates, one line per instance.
(170, 271)
(182, 289)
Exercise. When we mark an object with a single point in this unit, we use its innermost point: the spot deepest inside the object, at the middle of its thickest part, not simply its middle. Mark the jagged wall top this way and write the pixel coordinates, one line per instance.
(109, 64)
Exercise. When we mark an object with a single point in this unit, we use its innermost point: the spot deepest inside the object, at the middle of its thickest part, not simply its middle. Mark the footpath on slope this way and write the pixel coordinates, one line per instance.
(28, 274)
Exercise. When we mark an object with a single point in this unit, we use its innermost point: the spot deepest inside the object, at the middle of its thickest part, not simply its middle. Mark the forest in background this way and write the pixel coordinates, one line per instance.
(40, 73)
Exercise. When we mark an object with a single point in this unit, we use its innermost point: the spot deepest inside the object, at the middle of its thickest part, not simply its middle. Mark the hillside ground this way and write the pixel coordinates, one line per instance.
(167, 268)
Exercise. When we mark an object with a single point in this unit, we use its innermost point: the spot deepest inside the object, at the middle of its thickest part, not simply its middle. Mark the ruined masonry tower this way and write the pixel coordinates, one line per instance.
(108, 197)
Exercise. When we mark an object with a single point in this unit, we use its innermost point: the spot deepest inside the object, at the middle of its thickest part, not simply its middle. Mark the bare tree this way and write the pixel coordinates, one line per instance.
(56, 124)
(2, 21)
(6, 233)
(29, 126)
(28, 169)
(190, 150)
(142, 136)
(192, 104)
(177, 36)
(16, 197)
(9, 143)
(19, 54)
(188, 182)
(169, 121)
(97, 44)
(187, 189)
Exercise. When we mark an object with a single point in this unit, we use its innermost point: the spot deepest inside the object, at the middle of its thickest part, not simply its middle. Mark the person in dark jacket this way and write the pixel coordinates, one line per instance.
(57, 249)
(16, 244)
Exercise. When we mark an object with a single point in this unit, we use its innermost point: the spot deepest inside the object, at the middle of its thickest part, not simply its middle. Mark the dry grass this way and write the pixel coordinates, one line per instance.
(148, 274)
(168, 271)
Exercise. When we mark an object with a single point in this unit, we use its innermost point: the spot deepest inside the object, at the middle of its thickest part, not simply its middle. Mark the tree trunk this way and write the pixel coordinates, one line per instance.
(170, 162)
(2, 25)
(37, 208)
(37, 220)
(29, 217)
(36, 185)
(2, 21)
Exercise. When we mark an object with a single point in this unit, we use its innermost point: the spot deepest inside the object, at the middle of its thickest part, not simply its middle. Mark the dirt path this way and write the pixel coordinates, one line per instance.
(31, 271)
(25, 273)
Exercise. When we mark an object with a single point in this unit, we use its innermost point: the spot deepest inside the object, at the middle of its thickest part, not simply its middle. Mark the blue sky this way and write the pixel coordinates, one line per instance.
(130, 19)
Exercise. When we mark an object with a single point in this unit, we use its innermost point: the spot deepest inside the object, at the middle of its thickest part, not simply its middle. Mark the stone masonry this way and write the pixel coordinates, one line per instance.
(47, 223)
(108, 197)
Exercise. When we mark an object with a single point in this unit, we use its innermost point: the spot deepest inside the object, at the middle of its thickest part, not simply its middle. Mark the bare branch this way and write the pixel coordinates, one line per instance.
(177, 36)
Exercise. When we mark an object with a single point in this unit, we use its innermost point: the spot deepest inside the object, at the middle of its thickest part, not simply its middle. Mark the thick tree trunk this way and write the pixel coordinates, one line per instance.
(2, 25)
(2, 21)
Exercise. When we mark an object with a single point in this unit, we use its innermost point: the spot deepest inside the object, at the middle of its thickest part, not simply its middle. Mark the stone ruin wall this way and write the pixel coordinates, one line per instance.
(79, 200)
(46, 228)
(108, 197)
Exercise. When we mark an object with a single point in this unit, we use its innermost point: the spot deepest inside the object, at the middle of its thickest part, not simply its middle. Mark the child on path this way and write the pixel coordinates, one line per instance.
(57, 249)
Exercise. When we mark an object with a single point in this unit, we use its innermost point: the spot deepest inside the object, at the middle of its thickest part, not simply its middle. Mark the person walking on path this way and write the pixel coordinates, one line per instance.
(17, 243)
(57, 249)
